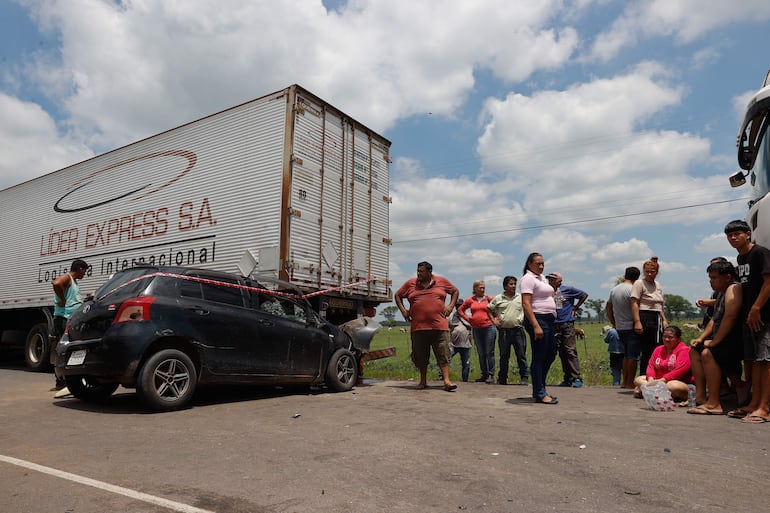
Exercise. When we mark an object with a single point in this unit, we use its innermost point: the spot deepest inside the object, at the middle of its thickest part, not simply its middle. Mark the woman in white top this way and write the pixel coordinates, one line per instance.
(539, 316)
(647, 308)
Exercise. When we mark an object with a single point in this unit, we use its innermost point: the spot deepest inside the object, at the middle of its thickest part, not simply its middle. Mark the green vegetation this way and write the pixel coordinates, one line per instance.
(594, 358)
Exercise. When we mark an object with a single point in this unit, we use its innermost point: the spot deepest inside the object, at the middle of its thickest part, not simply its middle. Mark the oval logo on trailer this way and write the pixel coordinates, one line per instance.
(133, 186)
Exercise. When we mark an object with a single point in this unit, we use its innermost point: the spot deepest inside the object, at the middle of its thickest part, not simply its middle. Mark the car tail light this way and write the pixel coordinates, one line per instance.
(136, 309)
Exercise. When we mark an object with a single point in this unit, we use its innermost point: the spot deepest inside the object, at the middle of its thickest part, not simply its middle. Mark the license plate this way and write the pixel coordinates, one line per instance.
(77, 357)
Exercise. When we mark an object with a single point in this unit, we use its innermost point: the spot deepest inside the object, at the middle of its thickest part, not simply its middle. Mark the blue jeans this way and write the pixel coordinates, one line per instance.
(485, 345)
(465, 359)
(543, 352)
(515, 337)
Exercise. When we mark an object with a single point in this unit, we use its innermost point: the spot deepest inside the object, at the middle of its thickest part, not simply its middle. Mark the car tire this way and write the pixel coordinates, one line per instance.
(88, 389)
(342, 371)
(37, 349)
(167, 380)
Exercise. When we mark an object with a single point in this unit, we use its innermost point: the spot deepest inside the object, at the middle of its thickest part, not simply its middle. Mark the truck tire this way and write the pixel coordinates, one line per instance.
(342, 371)
(37, 349)
(89, 390)
(167, 380)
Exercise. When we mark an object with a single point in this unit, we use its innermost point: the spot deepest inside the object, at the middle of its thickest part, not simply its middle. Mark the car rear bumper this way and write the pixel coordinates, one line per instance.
(96, 358)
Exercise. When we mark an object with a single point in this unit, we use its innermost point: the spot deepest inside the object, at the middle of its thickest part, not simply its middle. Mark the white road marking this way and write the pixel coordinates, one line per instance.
(133, 494)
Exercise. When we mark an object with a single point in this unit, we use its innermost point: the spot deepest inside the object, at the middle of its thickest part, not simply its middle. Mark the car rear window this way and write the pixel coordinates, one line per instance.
(212, 291)
(120, 283)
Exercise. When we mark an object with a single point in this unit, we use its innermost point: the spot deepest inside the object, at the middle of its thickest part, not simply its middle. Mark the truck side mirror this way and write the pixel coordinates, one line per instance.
(737, 179)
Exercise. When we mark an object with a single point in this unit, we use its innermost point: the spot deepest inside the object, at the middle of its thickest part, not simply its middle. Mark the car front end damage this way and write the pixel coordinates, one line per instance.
(361, 331)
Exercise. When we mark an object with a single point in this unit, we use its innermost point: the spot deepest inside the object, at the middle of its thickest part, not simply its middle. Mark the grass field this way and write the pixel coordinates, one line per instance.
(594, 358)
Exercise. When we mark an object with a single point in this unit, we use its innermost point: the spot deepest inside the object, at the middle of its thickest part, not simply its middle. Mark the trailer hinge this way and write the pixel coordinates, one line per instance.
(387, 241)
(294, 212)
(296, 160)
(388, 159)
(387, 199)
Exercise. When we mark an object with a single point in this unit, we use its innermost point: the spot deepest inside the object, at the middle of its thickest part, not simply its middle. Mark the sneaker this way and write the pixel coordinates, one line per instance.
(60, 383)
(64, 392)
(490, 380)
(566, 383)
(524, 381)
(577, 383)
(502, 382)
(482, 379)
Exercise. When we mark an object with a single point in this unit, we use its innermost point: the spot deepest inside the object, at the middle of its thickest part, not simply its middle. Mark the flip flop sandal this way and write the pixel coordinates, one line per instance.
(738, 413)
(755, 419)
(701, 410)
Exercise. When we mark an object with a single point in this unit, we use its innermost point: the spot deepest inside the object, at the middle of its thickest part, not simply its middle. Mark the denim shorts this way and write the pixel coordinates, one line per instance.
(630, 344)
(756, 344)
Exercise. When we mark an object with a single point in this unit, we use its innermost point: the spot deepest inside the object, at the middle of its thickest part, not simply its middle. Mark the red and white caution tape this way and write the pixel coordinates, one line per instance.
(237, 285)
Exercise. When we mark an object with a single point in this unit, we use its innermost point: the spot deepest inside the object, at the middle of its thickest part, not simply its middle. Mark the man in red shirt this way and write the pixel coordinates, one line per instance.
(427, 313)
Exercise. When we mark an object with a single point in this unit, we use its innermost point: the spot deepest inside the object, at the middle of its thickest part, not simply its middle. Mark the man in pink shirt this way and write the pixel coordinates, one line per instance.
(427, 313)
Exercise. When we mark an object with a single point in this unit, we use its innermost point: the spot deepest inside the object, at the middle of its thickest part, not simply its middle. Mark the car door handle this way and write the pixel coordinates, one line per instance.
(198, 310)
(263, 322)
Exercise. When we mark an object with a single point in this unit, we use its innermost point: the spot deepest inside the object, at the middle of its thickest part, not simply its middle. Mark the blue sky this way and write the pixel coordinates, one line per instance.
(585, 130)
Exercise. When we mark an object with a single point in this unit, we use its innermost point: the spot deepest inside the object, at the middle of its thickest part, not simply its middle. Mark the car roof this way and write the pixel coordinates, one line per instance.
(264, 282)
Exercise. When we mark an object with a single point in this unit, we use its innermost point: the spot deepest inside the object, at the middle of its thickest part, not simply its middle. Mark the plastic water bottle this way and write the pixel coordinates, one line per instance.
(691, 396)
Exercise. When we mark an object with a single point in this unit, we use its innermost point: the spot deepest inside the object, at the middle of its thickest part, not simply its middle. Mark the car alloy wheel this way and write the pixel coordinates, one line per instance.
(342, 371)
(167, 380)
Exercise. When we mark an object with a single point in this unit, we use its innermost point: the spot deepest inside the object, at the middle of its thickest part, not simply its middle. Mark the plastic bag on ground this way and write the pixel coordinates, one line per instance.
(657, 396)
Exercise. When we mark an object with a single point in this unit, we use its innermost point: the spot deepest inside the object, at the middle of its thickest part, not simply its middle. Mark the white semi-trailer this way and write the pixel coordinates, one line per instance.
(285, 185)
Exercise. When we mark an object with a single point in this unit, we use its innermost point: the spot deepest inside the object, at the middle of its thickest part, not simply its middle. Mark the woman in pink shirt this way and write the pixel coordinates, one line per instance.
(539, 315)
(669, 363)
(484, 332)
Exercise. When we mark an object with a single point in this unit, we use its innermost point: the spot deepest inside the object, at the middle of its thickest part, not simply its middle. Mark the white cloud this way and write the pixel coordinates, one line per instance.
(714, 245)
(685, 20)
(30, 143)
(740, 102)
(127, 70)
(583, 153)
(625, 253)
(564, 250)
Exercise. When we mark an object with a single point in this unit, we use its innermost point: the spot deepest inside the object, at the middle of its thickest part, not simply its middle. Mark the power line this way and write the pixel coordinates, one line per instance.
(413, 229)
(566, 223)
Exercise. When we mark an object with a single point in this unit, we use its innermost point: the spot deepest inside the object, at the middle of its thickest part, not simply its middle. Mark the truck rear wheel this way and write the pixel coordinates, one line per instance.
(37, 349)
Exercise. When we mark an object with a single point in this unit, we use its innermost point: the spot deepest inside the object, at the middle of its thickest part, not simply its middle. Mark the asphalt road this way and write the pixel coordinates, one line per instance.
(384, 447)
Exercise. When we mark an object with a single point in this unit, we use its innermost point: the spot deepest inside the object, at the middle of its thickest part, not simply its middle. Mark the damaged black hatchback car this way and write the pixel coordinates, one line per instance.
(166, 331)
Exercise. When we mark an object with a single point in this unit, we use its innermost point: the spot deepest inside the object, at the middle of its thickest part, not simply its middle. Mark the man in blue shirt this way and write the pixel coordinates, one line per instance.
(568, 300)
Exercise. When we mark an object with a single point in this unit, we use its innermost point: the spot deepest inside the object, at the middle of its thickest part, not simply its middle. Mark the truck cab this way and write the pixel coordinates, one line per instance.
(754, 157)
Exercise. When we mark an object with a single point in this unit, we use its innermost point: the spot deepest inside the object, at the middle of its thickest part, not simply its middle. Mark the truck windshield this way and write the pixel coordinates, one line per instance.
(754, 144)
(760, 172)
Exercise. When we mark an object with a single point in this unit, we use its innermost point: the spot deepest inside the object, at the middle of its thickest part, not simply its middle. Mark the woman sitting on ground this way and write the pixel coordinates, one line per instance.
(669, 363)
